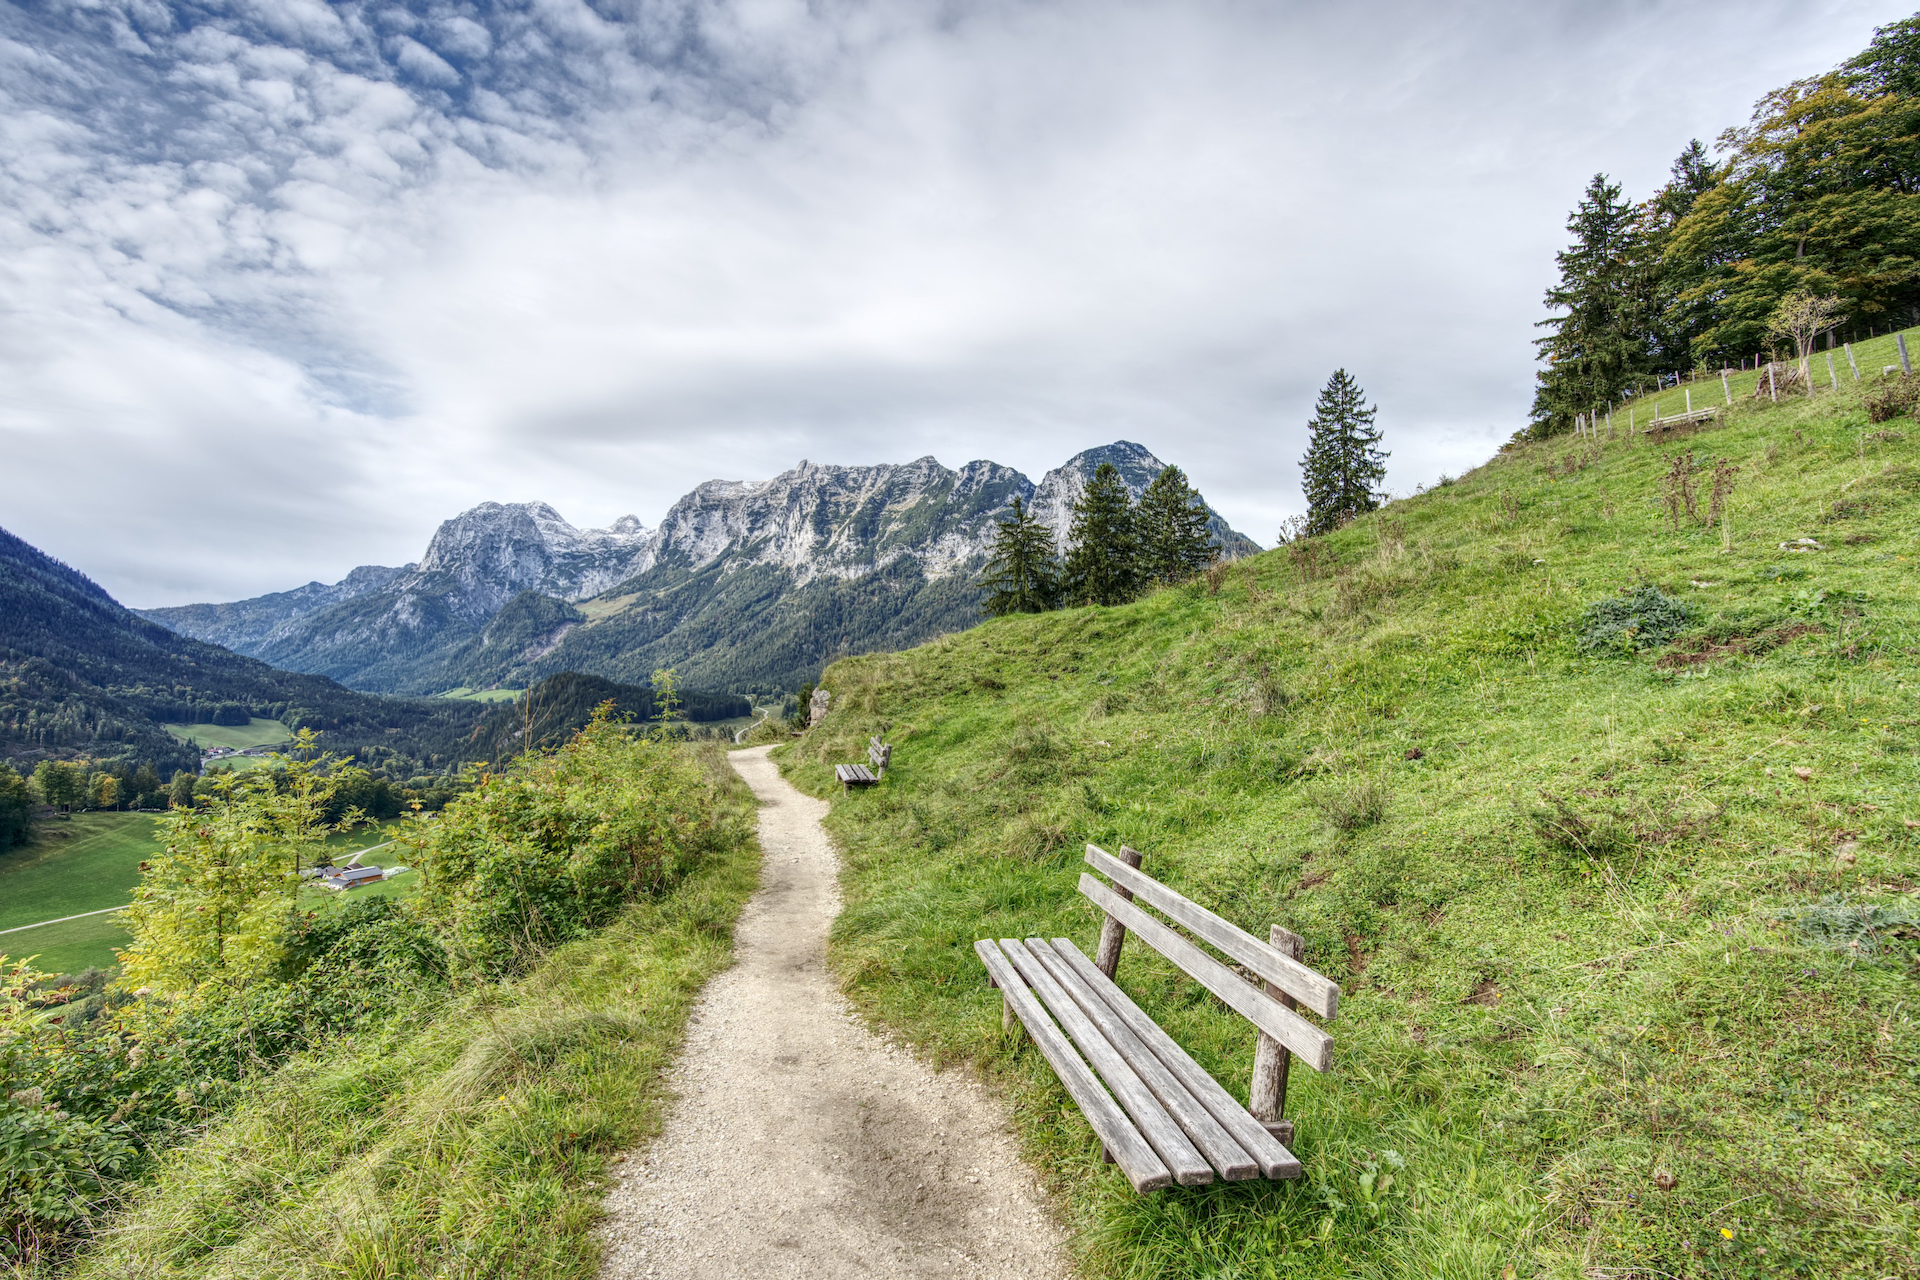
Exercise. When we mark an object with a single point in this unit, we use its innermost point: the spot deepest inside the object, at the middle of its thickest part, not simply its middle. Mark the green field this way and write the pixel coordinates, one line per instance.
(1873, 355)
(235, 737)
(1627, 935)
(87, 864)
(92, 863)
(483, 695)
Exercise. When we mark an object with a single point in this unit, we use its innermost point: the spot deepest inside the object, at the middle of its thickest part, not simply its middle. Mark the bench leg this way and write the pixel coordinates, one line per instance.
(1267, 1098)
(1112, 932)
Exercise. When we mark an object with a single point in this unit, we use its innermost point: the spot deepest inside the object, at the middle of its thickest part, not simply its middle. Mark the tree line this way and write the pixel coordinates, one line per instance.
(1812, 207)
(1117, 548)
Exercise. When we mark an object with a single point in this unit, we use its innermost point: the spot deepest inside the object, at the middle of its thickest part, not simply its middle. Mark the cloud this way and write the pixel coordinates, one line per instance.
(288, 283)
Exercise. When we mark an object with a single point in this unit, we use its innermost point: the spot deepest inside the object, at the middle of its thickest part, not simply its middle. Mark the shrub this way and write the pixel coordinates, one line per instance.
(1892, 398)
(1644, 620)
(550, 849)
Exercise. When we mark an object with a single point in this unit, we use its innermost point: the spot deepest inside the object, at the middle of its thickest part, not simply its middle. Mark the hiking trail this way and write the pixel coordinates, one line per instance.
(801, 1144)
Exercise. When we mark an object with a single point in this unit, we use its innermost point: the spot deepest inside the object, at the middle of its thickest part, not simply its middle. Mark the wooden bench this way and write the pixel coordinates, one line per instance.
(1681, 422)
(1156, 1111)
(861, 775)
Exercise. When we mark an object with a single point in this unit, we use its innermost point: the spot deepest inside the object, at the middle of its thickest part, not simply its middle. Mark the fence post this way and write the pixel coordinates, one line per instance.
(1773, 388)
(1906, 365)
(1832, 377)
(1852, 363)
(1726, 388)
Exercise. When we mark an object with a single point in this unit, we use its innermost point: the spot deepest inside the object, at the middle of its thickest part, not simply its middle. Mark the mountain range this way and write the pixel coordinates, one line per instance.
(749, 586)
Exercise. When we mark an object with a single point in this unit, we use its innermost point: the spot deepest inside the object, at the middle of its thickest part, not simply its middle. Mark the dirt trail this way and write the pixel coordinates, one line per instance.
(802, 1144)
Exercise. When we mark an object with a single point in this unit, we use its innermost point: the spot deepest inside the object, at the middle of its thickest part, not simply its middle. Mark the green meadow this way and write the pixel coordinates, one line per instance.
(91, 863)
(483, 695)
(255, 733)
(1606, 821)
(1873, 355)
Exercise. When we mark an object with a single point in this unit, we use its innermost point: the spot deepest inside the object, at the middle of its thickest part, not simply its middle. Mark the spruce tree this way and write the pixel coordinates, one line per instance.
(1103, 552)
(1344, 461)
(1174, 541)
(1598, 347)
(1022, 575)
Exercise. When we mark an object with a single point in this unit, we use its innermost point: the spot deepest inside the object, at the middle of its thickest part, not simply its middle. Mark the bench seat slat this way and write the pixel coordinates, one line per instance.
(1206, 1133)
(1274, 1159)
(1130, 1151)
(1163, 1134)
(1316, 991)
(1312, 1045)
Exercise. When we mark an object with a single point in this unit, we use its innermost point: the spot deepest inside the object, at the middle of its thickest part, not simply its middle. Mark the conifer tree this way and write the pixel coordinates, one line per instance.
(1598, 346)
(1022, 575)
(1174, 541)
(1103, 552)
(1344, 461)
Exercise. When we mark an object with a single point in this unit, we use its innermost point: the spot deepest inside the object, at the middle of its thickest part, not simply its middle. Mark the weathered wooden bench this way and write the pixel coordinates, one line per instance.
(1158, 1114)
(862, 775)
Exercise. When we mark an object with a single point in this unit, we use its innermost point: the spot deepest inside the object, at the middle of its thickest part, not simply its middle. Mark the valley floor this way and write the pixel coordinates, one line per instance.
(803, 1144)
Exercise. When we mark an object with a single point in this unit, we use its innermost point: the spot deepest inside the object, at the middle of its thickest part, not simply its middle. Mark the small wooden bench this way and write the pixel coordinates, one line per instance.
(861, 775)
(1158, 1114)
(1681, 422)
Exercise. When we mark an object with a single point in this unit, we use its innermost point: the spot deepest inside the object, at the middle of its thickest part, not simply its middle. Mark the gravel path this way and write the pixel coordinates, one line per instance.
(802, 1144)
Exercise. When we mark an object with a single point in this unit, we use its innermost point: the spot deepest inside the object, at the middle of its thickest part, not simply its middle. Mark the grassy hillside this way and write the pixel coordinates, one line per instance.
(469, 1133)
(1628, 994)
(1873, 355)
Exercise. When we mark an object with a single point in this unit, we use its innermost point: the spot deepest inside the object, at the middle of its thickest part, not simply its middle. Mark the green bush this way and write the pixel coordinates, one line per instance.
(1644, 620)
(550, 849)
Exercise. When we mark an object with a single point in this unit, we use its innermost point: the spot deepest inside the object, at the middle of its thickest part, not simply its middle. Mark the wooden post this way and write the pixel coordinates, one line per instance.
(1112, 932)
(1773, 389)
(1852, 363)
(1267, 1097)
(1689, 400)
(1906, 365)
(1832, 377)
(1726, 388)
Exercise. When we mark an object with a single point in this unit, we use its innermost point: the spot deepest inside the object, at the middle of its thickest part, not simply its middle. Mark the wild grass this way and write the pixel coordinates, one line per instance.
(470, 1137)
(1594, 1022)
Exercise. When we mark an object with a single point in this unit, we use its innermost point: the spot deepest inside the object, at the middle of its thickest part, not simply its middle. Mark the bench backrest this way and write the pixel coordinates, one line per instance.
(878, 753)
(1289, 983)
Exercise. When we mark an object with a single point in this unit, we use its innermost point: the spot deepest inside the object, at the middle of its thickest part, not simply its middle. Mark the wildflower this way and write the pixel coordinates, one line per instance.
(1727, 1232)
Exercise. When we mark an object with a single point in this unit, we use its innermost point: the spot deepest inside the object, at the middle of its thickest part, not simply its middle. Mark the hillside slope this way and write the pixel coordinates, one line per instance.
(82, 675)
(1627, 994)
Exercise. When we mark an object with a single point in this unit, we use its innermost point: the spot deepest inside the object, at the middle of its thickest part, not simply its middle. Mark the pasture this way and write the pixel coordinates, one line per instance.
(92, 863)
(235, 737)
(482, 695)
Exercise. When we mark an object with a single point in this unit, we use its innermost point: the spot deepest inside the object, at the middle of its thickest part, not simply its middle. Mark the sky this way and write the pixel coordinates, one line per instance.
(283, 283)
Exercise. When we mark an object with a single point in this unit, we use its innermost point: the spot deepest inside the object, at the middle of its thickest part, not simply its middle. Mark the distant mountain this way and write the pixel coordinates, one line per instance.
(745, 586)
(82, 676)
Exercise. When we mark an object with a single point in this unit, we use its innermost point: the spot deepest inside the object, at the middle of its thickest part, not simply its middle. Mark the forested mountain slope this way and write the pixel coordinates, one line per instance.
(80, 675)
(746, 585)
(1604, 819)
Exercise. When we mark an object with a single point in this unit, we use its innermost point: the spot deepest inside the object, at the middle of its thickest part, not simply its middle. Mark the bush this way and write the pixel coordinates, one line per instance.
(1644, 620)
(551, 849)
(1892, 398)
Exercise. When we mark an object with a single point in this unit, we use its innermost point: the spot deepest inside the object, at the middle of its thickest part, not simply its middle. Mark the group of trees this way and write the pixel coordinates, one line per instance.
(1816, 199)
(1117, 548)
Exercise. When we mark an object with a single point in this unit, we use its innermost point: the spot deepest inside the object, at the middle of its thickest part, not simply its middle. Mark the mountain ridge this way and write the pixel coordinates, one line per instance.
(509, 592)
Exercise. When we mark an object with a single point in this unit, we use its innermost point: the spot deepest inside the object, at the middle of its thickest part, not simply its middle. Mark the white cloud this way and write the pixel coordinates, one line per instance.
(295, 281)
